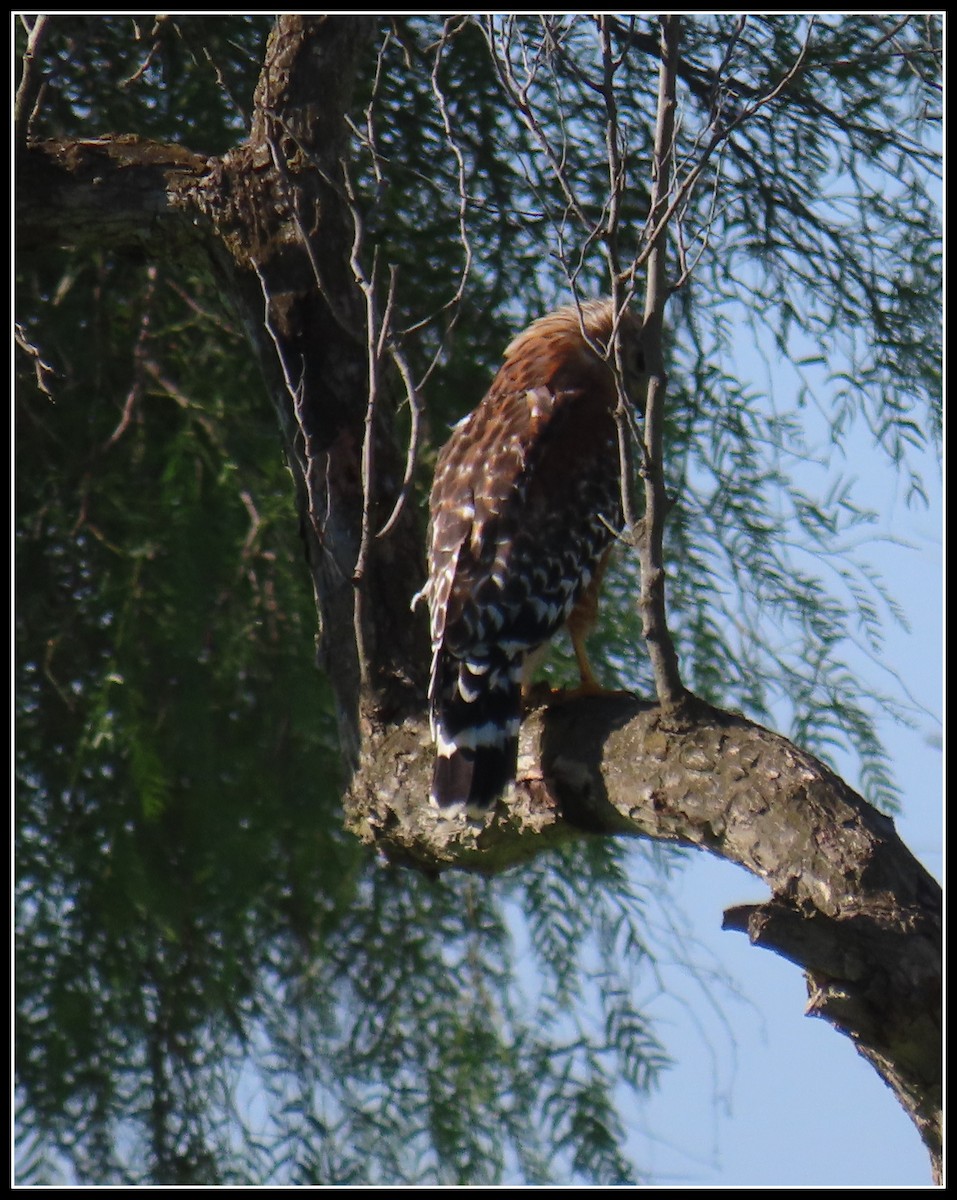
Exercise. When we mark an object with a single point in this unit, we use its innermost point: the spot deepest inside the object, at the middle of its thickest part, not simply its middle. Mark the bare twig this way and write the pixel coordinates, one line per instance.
(139, 358)
(184, 31)
(415, 436)
(178, 396)
(376, 338)
(519, 95)
(308, 461)
(217, 320)
(144, 66)
(255, 523)
(294, 389)
(373, 363)
(616, 164)
(688, 264)
(664, 660)
(624, 416)
(720, 135)
(367, 136)
(448, 30)
(31, 78)
(723, 67)
(41, 367)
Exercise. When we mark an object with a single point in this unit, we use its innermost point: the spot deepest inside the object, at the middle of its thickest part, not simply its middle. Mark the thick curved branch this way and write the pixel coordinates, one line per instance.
(849, 903)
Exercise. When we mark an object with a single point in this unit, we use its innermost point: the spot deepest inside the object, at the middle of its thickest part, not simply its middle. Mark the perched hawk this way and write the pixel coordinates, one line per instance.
(524, 504)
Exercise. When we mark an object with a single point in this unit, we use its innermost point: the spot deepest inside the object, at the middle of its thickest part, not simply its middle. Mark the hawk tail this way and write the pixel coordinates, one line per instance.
(476, 712)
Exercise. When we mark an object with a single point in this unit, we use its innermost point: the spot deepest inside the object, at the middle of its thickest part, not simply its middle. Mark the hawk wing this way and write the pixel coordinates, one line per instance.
(525, 502)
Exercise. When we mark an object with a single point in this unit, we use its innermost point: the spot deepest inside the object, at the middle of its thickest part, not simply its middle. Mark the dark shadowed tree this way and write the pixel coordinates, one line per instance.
(262, 265)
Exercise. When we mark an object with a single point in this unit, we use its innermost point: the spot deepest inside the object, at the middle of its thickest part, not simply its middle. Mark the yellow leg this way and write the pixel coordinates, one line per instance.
(534, 693)
(581, 622)
(589, 685)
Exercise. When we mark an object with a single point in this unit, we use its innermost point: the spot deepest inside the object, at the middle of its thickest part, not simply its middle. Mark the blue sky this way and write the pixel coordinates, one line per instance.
(764, 1095)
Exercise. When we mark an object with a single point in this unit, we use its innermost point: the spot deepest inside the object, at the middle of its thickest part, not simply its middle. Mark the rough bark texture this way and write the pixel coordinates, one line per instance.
(848, 903)
(278, 208)
(120, 190)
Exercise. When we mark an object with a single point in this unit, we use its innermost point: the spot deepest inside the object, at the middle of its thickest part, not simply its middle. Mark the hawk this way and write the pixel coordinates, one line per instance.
(524, 506)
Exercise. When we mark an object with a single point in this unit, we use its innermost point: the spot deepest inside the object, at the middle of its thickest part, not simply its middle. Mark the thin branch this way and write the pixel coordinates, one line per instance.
(376, 338)
(664, 659)
(688, 266)
(719, 137)
(459, 158)
(145, 65)
(308, 461)
(294, 389)
(32, 80)
(184, 32)
(41, 367)
(624, 417)
(723, 66)
(616, 165)
(415, 436)
(518, 94)
(454, 303)
(139, 360)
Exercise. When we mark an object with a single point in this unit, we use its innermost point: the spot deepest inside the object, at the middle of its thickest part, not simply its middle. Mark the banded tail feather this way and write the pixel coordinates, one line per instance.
(476, 712)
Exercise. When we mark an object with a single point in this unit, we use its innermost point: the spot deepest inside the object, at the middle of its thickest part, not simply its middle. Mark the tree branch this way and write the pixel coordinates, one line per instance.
(849, 903)
(661, 651)
(117, 191)
(31, 78)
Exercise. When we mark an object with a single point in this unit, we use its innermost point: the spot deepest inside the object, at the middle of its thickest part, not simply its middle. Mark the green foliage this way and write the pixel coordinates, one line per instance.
(214, 984)
(172, 78)
(163, 851)
(444, 1073)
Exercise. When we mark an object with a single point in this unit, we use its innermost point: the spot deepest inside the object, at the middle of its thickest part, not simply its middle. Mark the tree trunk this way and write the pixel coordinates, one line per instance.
(849, 904)
(278, 207)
